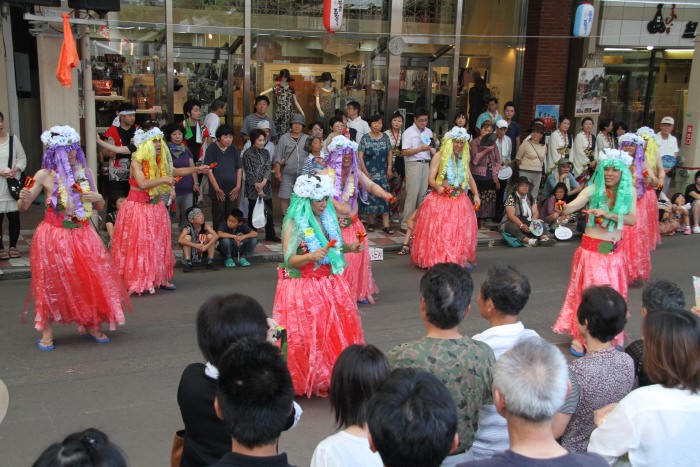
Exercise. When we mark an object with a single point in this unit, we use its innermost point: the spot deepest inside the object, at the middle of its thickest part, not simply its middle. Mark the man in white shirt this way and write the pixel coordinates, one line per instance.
(503, 294)
(417, 150)
(217, 109)
(490, 114)
(668, 145)
(355, 121)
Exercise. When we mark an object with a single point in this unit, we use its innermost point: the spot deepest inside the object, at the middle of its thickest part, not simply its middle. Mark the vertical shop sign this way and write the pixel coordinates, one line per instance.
(332, 15)
(688, 135)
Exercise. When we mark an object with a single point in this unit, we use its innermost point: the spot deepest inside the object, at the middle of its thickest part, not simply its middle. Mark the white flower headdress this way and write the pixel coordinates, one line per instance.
(631, 138)
(341, 142)
(315, 187)
(646, 132)
(141, 136)
(613, 156)
(458, 134)
(60, 136)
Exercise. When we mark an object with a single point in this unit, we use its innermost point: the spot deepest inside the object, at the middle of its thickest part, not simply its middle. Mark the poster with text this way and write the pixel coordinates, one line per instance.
(590, 84)
(549, 114)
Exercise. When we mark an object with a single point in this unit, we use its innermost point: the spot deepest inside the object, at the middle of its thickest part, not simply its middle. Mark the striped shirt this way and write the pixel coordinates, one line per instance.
(492, 434)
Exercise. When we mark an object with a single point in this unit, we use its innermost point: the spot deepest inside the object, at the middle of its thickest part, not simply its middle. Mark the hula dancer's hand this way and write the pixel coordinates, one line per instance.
(318, 255)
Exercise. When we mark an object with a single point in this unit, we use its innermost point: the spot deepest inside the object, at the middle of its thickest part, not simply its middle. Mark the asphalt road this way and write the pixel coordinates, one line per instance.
(127, 387)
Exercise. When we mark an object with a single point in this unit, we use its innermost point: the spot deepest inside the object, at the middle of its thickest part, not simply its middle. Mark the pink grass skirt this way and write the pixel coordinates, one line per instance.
(321, 319)
(590, 268)
(73, 280)
(358, 270)
(141, 248)
(445, 231)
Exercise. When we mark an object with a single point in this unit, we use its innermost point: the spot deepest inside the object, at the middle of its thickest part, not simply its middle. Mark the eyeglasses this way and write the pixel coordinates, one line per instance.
(422, 120)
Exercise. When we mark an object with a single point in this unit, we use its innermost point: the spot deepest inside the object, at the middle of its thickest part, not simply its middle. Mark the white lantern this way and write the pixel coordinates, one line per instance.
(583, 21)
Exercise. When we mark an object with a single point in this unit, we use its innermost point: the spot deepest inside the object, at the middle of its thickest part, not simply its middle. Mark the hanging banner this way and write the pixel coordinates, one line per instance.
(591, 82)
(583, 20)
(332, 15)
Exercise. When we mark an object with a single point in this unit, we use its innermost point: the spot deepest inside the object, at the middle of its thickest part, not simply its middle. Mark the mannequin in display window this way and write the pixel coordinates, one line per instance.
(284, 99)
(326, 99)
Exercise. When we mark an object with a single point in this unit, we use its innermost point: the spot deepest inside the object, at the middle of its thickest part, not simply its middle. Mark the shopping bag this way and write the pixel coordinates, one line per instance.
(259, 214)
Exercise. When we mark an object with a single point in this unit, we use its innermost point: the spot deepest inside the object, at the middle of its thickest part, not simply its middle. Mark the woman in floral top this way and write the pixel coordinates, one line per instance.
(258, 168)
(373, 152)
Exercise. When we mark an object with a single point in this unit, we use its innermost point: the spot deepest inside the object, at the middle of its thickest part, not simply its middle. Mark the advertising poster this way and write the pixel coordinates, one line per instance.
(549, 115)
(588, 99)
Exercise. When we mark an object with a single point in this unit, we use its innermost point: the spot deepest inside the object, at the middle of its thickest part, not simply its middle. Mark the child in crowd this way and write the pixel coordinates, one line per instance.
(196, 238)
(674, 215)
(235, 237)
(116, 199)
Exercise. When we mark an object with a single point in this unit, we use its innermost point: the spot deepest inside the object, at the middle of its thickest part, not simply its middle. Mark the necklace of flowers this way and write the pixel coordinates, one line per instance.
(455, 180)
(81, 181)
(349, 186)
(311, 237)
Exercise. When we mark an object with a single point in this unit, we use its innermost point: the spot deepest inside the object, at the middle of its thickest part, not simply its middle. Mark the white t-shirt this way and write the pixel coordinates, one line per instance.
(654, 425)
(667, 146)
(212, 122)
(361, 126)
(344, 449)
(492, 434)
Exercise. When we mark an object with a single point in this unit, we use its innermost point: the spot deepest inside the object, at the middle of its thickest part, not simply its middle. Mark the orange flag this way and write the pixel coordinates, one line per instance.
(69, 55)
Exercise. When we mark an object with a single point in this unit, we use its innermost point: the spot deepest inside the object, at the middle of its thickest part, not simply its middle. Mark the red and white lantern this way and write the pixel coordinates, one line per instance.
(332, 15)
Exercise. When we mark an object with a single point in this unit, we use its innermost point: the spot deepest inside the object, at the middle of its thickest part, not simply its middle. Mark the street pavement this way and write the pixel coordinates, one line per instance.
(128, 387)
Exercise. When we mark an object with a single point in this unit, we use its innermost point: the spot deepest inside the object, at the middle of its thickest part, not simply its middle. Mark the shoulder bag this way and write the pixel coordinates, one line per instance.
(14, 185)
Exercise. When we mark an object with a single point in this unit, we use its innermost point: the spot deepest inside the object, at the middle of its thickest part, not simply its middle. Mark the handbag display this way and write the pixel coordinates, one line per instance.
(102, 87)
(14, 185)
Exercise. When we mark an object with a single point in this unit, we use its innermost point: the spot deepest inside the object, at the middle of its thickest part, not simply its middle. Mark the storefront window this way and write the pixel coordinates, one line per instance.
(327, 70)
(490, 47)
(640, 90)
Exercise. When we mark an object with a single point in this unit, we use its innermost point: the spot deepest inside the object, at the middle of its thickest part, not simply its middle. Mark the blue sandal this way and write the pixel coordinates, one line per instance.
(89, 336)
(44, 348)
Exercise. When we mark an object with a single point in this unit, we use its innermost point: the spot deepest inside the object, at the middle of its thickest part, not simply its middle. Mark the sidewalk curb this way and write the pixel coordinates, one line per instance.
(25, 272)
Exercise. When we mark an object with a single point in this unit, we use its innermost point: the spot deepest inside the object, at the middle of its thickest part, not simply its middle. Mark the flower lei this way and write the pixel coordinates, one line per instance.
(64, 200)
(313, 243)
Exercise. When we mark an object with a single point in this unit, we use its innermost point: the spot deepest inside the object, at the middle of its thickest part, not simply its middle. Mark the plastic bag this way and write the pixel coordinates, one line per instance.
(259, 214)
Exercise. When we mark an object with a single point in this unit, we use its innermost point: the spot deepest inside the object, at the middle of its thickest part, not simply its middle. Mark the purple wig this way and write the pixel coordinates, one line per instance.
(56, 159)
(638, 166)
(335, 162)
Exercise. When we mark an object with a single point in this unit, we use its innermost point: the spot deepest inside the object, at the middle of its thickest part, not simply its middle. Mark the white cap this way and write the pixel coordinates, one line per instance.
(667, 120)
(501, 124)
(263, 125)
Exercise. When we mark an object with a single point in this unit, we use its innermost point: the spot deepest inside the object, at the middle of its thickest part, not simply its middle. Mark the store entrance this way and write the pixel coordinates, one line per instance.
(426, 83)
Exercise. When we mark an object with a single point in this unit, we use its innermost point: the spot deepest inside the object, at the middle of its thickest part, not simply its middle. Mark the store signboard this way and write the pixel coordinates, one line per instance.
(588, 99)
(643, 24)
(688, 135)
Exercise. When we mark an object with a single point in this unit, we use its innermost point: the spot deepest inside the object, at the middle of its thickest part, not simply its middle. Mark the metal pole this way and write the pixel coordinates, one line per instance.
(13, 106)
(88, 101)
(649, 90)
(247, 57)
(455, 63)
(169, 60)
(394, 62)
